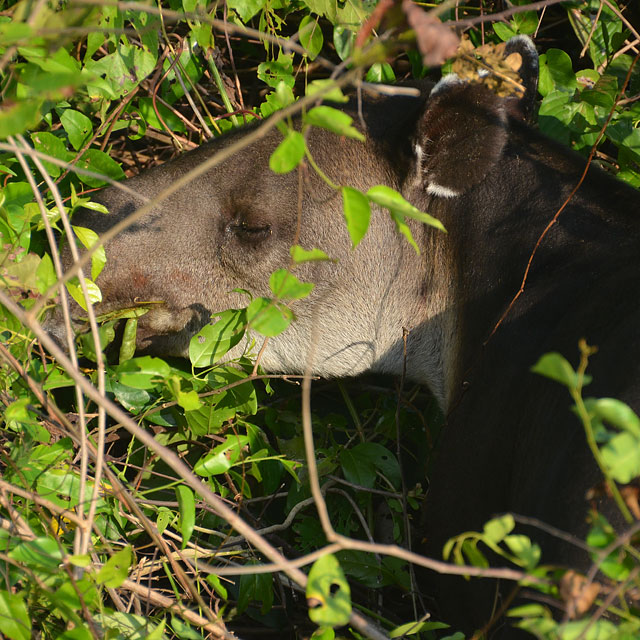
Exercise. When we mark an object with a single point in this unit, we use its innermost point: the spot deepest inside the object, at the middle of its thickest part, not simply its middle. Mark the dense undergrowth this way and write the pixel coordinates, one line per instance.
(125, 524)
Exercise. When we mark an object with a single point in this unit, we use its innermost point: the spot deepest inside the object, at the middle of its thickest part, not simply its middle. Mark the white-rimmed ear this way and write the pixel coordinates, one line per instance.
(459, 138)
(464, 128)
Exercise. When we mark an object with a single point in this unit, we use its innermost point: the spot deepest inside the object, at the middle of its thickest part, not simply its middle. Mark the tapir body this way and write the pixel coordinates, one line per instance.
(470, 159)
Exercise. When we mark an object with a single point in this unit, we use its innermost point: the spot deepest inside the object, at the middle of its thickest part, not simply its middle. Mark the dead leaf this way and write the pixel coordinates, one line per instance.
(630, 495)
(577, 593)
(489, 65)
(436, 42)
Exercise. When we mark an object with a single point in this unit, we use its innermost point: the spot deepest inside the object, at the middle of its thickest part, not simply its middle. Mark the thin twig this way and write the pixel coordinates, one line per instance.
(564, 205)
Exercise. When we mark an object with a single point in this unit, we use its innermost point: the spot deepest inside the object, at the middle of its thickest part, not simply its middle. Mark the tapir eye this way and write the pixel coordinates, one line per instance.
(249, 232)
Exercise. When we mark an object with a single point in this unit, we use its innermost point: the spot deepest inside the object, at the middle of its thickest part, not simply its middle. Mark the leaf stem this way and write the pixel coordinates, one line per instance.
(319, 171)
(583, 414)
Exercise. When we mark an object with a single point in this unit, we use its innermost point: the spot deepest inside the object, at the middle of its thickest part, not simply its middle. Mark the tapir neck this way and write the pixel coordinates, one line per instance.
(416, 331)
(490, 246)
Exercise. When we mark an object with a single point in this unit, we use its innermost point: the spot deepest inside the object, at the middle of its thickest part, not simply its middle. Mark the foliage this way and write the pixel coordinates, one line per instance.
(98, 529)
(612, 430)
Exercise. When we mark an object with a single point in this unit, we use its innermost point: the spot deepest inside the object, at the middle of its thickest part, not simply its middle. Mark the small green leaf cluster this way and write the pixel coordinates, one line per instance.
(577, 105)
(612, 431)
(498, 537)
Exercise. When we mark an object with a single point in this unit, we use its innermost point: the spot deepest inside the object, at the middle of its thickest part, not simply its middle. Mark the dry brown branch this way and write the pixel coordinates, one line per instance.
(564, 205)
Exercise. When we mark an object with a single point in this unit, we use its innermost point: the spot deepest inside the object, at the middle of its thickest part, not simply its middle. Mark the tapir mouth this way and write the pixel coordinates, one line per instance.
(161, 329)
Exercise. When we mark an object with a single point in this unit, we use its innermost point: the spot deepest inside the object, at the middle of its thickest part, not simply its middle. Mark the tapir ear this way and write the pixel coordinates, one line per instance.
(529, 72)
(463, 131)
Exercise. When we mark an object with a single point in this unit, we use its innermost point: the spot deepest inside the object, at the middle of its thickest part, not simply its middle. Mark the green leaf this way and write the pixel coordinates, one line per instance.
(300, 255)
(289, 153)
(267, 317)
(130, 626)
(285, 286)
(14, 32)
(189, 400)
(53, 146)
(14, 617)
(624, 135)
(381, 458)
(622, 457)
(17, 117)
(128, 344)
(246, 9)
(17, 410)
(217, 585)
(275, 71)
(403, 228)
(77, 126)
(284, 94)
(333, 120)
(495, 530)
(333, 95)
(106, 335)
(75, 290)
(214, 340)
(529, 610)
(116, 569)
(258, 587)
(187, 507)
(81, 560)
(527, 553)
(390, 199)
(411, 628)
(40, 553)
(381, 72)
(474, 556)
(328, 593)
(163, 519)
(310, 35)
(503, 31)
(617, 413)
(323, 633)
(603, 93)
(343, 40)
(587, 630)
(45, 273)
(357, 213)
(88, 237)
(182, 630)
(357, 470)
(223, 457)
(556, 72)
(525, 22)
(326, 8)
(101, 163)
(120, 314)
(556, 367)
(144, 372)
(554, 115)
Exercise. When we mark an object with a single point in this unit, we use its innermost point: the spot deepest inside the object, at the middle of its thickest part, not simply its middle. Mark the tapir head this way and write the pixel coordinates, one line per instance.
(230, 228)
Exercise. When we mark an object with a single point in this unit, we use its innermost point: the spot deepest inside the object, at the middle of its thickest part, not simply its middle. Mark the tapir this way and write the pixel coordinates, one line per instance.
(472, 159)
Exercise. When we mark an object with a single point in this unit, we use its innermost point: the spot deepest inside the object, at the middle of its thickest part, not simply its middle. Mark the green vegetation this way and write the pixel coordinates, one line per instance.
(147, 514)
